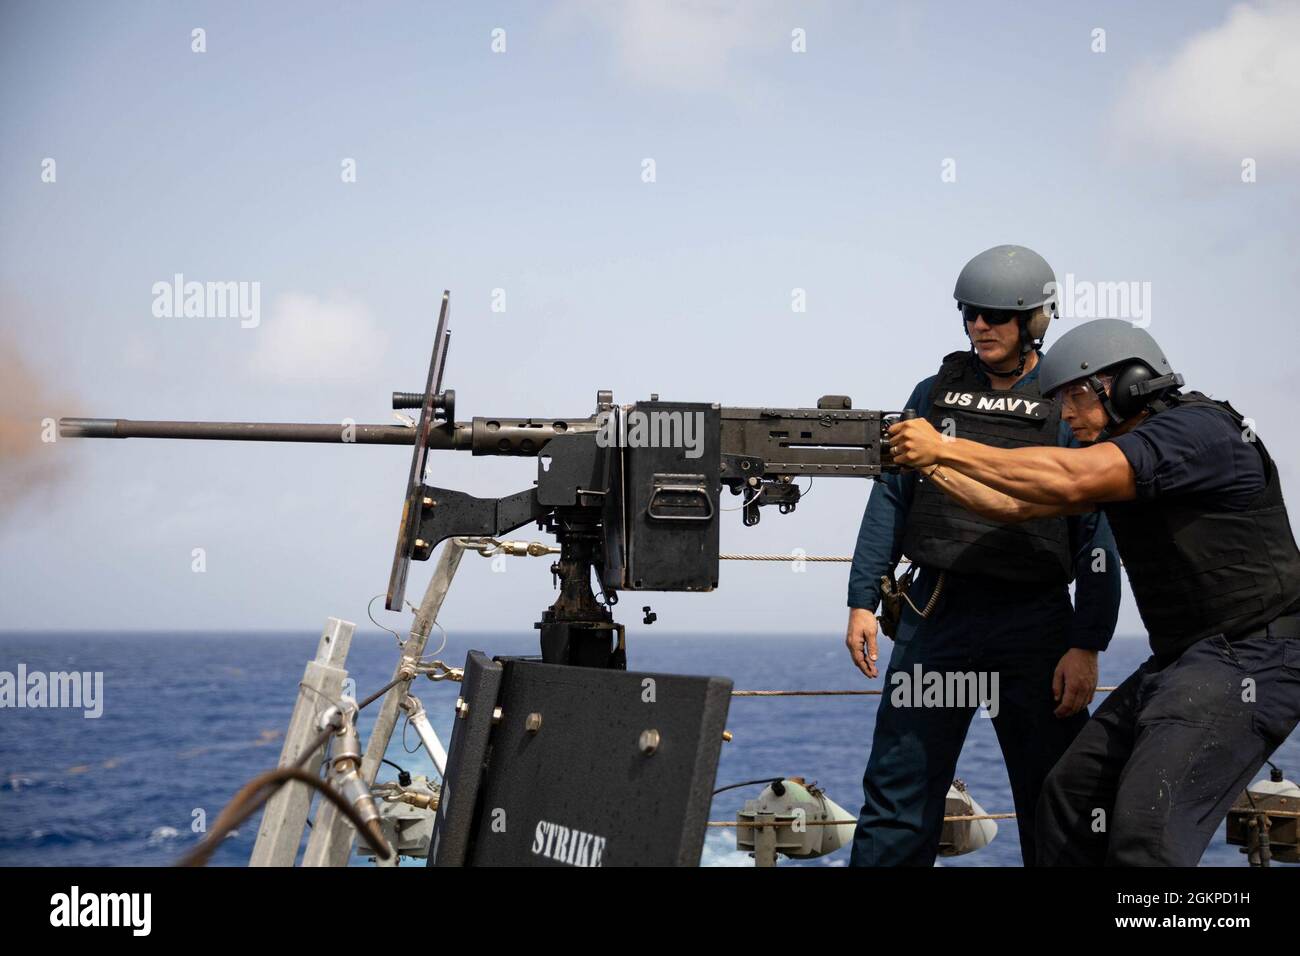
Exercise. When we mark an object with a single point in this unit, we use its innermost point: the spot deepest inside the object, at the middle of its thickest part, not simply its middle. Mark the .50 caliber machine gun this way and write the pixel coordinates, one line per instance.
(631, 491)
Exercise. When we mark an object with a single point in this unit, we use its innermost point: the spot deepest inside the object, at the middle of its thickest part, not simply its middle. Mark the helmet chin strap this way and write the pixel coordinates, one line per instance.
(1025, 346)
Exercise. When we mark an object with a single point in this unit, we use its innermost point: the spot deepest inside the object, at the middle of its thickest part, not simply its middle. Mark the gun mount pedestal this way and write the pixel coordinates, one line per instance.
(578, 629)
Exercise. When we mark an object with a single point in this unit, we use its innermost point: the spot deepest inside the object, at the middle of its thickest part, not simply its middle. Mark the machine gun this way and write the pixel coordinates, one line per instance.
(629, 491)
(632, 493)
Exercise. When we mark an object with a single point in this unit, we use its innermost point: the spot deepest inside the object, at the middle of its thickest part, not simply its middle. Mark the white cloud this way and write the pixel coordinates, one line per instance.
(317, 340)
(1231, 92)
(684, 45)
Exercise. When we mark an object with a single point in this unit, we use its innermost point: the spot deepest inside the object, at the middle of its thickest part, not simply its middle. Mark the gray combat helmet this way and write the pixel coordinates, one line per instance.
(1010, 278)
(1141, 371)
(1014, 279)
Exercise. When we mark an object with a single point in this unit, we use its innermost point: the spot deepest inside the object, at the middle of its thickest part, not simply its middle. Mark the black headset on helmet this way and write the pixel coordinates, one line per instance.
(1134, 387)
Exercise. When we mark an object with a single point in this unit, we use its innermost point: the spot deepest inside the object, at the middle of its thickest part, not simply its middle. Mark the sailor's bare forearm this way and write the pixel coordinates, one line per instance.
(983, 500)
(1041, 476)
(1068, 478)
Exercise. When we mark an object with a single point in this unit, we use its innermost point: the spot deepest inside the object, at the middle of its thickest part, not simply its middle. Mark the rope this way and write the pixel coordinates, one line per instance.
(806, 693)
(1289, 814)
(490, 547)
(849, 823)
(833, 693)
(947, 819)
(783, 557)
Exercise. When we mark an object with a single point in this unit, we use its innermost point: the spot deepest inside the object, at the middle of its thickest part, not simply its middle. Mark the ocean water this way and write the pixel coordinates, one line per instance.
(188, 718)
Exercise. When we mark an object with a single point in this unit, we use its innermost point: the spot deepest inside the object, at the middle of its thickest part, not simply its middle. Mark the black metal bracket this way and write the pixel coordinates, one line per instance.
(445, 513)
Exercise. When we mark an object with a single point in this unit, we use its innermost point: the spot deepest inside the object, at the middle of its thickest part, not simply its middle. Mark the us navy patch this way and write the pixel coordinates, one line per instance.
(997, 403)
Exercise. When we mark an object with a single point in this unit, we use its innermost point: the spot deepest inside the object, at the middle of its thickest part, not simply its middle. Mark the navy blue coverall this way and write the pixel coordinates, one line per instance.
(1153, 774)
(984, 625)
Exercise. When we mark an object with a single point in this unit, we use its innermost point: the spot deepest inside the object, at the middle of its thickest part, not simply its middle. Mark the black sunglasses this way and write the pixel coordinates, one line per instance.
(992, 316)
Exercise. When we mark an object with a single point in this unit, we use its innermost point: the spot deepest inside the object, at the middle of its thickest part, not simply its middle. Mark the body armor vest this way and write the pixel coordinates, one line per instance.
(1197, 572)
(940, 533)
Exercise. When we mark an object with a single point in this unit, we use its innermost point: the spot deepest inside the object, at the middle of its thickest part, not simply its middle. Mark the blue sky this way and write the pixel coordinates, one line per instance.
(522, 170)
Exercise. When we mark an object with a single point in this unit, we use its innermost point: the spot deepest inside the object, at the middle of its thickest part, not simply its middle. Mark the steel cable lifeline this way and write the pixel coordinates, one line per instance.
(839, 693)
(1289, 814)
(489, 547)
(754, 824)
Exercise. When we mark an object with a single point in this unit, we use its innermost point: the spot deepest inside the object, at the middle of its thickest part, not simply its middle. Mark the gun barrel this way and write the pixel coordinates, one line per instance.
(250, 431)
(483, 436)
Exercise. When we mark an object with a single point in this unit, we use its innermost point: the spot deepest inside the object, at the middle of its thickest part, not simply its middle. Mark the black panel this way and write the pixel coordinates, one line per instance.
(453, 826)
(567, 464)
(583, 775)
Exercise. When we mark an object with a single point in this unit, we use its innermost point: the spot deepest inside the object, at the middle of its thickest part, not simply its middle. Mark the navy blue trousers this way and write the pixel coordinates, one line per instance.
(979, 626)
(1151, 776)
